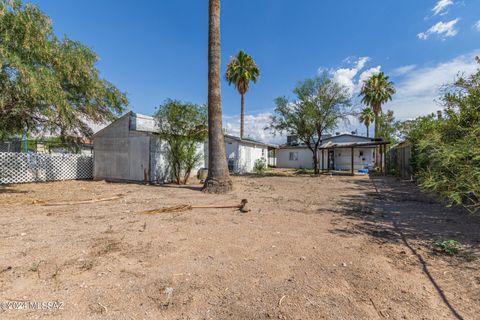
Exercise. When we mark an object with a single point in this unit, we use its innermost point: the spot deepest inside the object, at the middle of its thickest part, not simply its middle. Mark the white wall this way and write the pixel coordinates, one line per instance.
(160, 168)
(248, 154)
(305, 158)
(242, 154)
(342, 158)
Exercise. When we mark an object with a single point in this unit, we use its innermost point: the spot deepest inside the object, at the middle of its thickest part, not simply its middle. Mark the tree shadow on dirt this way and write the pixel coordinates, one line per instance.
(181, 186)
(419, 216)
(5, 188)
(194, 187)
(263, 175)
(393, 211)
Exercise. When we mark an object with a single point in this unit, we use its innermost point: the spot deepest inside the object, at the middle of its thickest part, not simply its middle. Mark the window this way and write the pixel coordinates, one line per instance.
(293, 156)
(361, 153)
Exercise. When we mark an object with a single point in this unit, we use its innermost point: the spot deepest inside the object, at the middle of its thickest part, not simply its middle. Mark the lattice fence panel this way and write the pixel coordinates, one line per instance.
(36, 167)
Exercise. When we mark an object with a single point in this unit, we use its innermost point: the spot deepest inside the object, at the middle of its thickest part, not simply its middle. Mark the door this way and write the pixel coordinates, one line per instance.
(139, 158)
(331, 159)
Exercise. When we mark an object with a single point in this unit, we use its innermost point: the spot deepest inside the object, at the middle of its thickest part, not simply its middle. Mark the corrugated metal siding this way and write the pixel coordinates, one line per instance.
(142, 123)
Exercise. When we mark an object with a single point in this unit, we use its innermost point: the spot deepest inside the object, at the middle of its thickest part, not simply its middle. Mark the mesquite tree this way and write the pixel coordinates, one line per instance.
(320, 105)
(184, 127)
(48, 84)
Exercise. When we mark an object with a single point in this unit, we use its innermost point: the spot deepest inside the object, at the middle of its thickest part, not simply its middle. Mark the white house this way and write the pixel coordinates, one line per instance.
(335, 153)
(243, 153)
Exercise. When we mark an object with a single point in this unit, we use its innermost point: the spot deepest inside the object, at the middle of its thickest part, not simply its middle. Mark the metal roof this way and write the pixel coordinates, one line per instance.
(331, 145)
(249, 140)
(338, 145)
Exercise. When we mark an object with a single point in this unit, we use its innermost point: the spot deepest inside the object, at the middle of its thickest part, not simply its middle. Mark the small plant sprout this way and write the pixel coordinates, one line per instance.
(449, 247)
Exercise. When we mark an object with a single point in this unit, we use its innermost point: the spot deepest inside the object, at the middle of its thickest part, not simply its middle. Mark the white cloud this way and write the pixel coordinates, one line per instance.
(476, 26)
(254, 127)
(441, 7)
(417, 91)
(349, 77)
(400, 71)
(367, 74)
(442, 29)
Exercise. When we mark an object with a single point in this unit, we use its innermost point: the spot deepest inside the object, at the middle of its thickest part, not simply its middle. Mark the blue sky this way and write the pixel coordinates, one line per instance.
(155, 50)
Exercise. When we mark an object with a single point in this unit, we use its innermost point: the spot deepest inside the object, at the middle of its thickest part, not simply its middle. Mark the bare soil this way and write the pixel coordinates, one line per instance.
(328, 247)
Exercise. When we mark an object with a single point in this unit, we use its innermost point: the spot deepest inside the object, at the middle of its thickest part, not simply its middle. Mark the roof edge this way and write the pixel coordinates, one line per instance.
(129, 113)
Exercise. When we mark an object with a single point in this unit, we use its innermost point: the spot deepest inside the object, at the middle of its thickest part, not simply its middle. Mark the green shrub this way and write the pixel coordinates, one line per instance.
(260, 166)
(446, 150)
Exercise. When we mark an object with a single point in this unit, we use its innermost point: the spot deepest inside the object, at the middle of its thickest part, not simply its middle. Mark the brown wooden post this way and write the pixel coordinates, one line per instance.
(385, 159)
(353, 172)
(381, 158)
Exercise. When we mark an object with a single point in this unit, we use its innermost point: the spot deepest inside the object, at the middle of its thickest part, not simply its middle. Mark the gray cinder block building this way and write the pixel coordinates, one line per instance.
(129, 149)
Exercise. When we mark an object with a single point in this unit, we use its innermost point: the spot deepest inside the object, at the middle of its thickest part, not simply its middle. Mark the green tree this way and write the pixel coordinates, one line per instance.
(319, 106)
(218, 180)
(48, 84)
(446, 148)
(366, 117)
(376, 91)
(240, 71)
(183, 126)
(388, 126)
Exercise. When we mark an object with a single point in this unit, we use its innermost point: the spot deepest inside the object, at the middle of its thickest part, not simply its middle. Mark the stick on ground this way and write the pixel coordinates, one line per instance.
(184, 207)
(43, 203)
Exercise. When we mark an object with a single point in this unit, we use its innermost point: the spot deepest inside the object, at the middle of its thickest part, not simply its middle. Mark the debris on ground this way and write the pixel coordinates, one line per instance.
(185, 207)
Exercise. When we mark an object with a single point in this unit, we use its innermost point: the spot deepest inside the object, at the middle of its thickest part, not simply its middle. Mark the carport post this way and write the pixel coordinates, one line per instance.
(328, 160)
(323, 160)
(386, 160)
(381, 158)
(353, 173)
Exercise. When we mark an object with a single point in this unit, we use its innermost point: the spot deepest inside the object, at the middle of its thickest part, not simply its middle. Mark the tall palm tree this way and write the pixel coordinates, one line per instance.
(240, 71)
(377, 90)
(367, 117)
(218, 180)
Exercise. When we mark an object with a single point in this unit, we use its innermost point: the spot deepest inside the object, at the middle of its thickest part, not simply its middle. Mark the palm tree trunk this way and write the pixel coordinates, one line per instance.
(368, 131)
(218, 180)
(377, 110)
(242, 116)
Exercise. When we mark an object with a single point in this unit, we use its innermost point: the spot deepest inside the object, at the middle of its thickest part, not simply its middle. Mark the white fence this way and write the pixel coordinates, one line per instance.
(36, 167)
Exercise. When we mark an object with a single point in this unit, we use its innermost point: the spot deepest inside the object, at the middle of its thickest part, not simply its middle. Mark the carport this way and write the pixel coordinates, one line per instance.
(379, 145)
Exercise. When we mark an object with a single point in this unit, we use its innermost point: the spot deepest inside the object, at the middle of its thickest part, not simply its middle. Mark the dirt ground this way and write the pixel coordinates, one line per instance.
(329, 247)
